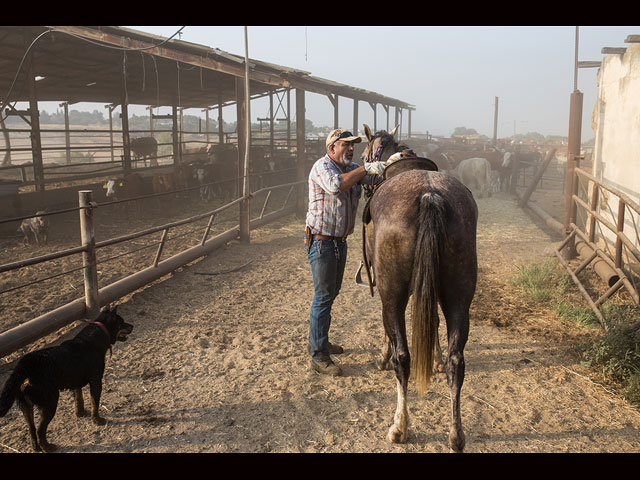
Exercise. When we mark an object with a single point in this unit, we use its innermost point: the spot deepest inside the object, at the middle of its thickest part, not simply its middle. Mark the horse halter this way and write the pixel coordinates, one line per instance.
(377, 156)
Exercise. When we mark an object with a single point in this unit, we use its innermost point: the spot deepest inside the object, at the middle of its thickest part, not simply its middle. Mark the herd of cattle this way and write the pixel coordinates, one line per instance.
(211, 172)
(483, 171)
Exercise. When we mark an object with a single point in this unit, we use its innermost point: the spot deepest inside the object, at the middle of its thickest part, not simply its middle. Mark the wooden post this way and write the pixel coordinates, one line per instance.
(571, 184)
(150, 108)
(111, 108)
(396, 121)
(355, 116)
(181, 131)
(220, 122)
(300, 145)
(375, 115)
(36, 141)
(87, 235)
(271, 125)
(386, 108)
(126, 145)
(242, 141)
(206, 123)
(7, 142)
(67, 138)
(177, 153)
(289, 120)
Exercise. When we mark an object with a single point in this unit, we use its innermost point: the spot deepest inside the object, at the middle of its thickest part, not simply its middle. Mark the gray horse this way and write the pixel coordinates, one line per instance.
(420, 242)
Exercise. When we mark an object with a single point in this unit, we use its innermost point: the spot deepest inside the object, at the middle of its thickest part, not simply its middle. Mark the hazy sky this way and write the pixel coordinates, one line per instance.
(450, 74)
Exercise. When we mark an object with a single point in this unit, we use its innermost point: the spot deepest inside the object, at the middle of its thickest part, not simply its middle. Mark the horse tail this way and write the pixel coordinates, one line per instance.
(431, 232)
(10, 390)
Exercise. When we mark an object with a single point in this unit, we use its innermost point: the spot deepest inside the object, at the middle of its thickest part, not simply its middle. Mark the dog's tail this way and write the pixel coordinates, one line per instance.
(10, 390)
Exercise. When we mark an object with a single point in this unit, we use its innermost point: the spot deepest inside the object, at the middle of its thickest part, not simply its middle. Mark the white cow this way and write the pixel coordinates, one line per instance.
(475, 173)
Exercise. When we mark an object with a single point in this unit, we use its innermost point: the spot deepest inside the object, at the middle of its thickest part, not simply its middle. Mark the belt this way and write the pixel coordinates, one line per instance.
(326, 237)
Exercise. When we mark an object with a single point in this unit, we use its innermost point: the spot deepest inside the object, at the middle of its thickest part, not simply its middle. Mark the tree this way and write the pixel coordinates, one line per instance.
(464, 131)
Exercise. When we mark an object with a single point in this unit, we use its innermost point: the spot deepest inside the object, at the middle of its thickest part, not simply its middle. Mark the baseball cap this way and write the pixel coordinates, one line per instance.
(342, 134)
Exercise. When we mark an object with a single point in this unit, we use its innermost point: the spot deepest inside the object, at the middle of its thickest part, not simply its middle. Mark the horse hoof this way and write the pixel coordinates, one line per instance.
(99, 421)
(396, 435)
(48, 447)
(456, 443)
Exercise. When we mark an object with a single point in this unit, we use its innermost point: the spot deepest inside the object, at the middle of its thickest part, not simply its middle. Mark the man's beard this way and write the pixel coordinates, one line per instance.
(345, 161)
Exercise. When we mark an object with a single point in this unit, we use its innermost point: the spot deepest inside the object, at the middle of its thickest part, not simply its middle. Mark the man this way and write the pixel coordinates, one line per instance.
(334, 193)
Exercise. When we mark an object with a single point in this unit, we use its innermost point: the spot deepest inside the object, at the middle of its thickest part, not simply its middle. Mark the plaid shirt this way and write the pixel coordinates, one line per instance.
(330, 212)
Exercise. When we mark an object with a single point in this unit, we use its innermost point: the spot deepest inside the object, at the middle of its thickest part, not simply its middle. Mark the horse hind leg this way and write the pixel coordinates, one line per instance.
(438, 364)
(384, 361)
(401, 361)
(393, 311)
(398, 431)
(457, 327)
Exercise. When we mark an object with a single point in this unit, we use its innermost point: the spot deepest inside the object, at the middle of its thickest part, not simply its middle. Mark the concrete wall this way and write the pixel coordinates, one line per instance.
(616, 124)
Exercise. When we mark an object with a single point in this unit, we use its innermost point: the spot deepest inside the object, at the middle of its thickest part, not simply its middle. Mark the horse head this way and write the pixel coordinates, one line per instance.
(380, 146)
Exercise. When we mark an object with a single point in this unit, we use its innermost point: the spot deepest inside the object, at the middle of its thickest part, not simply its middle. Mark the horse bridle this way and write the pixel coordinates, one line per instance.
(369, 189)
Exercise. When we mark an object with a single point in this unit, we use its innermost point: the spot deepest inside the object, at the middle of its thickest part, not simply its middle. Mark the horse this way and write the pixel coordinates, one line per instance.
(420, 241)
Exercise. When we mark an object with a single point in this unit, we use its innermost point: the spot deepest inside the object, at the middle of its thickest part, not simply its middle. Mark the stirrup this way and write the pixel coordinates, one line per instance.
(361, 282)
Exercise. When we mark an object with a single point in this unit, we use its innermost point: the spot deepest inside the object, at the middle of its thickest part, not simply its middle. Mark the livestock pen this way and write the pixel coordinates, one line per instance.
(108, 269)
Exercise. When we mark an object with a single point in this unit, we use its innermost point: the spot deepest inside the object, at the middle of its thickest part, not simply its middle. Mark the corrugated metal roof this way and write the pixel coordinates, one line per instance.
(90, 64)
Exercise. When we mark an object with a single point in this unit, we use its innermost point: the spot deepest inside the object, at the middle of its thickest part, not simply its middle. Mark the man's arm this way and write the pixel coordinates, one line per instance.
(349, 179)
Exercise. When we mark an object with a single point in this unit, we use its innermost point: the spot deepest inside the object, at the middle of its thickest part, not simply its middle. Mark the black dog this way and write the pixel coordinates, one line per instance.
(37, 226)
(40, 375)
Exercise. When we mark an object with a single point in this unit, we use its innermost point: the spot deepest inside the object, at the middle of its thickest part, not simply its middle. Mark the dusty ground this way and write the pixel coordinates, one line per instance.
(218, 363)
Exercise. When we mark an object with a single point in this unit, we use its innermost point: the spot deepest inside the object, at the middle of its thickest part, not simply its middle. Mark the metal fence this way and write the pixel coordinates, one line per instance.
(95, 297)
(601, 237)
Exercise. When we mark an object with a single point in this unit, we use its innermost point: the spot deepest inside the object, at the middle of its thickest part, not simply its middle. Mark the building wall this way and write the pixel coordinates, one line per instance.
(616, 123)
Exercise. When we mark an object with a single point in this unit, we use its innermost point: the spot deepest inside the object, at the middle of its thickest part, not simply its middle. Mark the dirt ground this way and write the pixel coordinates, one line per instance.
(218, 363)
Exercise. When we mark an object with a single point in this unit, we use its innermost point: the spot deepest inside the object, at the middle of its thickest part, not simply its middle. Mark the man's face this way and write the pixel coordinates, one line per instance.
(342, 152)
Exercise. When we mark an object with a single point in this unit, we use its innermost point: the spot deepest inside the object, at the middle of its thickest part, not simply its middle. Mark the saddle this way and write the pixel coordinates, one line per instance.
(399, 166)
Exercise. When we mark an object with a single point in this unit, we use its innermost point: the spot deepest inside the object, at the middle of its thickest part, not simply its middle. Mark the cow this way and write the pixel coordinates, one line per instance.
(196, 154)
(475, 173)
(161, 185)
(224, 159)
(38, 226)
(127, 187)
(203, 175)
(143, 147)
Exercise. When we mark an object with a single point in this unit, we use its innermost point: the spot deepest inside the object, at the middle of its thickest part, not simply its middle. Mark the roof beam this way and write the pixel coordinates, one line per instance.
(180, 56)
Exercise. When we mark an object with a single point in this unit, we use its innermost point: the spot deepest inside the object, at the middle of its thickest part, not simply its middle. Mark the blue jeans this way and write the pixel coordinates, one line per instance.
(327, 259)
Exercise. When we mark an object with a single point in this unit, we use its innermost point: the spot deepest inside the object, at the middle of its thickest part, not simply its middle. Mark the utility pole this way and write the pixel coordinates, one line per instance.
(495, 121)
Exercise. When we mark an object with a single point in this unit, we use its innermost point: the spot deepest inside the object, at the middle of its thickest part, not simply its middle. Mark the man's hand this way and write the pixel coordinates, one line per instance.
(374, 168)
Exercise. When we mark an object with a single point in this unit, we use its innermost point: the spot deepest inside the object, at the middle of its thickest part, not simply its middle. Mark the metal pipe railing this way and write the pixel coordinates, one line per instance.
(22, 335)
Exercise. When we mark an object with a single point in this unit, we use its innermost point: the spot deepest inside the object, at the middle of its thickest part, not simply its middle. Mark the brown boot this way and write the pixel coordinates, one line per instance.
(325, 366)
(335, 349)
